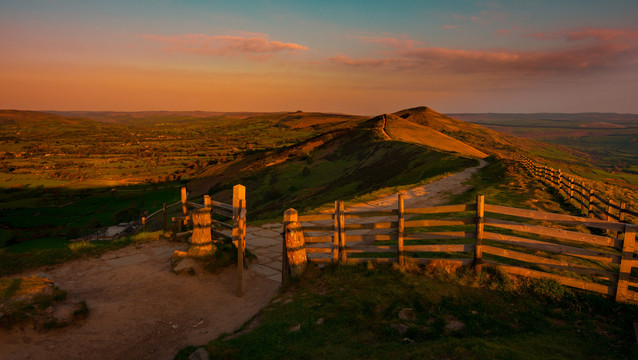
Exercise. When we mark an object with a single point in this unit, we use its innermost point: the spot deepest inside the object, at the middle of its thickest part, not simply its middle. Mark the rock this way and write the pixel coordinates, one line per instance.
(188, 266)
(407, 314)
(295, 328)
(199, 354)
(453, 325)
(320, 321)
(402, 329)
(65, 313)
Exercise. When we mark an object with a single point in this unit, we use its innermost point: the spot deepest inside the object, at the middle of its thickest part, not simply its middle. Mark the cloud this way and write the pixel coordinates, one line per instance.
(391, 41)
(446, 27)
(589, 50)
(224, 45)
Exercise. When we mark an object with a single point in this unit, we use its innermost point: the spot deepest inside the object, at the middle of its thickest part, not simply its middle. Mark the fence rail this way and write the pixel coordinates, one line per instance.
(538, 244)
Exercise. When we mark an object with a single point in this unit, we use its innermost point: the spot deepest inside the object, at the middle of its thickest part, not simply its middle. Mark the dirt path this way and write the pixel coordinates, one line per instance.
(139, 309)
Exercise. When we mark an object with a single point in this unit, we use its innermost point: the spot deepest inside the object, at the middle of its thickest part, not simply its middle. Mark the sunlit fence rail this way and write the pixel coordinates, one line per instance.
(574, 251)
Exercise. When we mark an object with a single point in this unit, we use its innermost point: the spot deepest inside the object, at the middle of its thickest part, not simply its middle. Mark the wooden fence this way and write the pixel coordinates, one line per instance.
(180, 212)
(545, 245)
(590, 203)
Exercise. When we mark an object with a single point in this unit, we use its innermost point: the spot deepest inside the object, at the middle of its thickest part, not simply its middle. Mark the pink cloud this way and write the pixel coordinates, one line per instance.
(606, 48)
(447, 27)
(391, 41)
(224, 45)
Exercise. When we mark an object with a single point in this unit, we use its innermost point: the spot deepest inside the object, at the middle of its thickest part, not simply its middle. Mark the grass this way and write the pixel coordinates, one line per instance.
(13, 263)
(352, 312)
(23, 298)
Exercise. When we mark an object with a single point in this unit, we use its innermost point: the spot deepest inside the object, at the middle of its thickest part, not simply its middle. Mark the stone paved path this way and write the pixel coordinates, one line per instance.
(265, 241)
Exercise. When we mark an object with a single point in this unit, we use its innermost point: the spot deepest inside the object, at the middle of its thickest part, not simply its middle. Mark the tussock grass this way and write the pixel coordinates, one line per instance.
(352, 312)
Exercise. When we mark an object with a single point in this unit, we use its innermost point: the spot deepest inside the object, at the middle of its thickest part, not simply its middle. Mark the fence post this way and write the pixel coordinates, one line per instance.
(165, 217)
(290, 216)
(184, 205)
(480, 220)
(335, 235)
(582, 196)
(144, 223)
(239, 204)
(560, 181)
(241, 224)
(621, 216)
(208, 203)
(342, 232)
(608, 216)
(401, 229)
(626, 262)
(571, 189)
(590, 209)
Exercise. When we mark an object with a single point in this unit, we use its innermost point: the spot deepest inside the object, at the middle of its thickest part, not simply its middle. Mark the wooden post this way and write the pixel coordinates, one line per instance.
(241, 222)
(290, 216)
(401, 229)
(143, 223)
(560, 181)
(608, 215)
(480, 220)
(239, 204)
(626, 262)
(571, 189)
(582, 196)
(201, 240)
(590, 209)
(295, 249)
(184, 205)
(342, 232)
(165, 217)
(208, 203)
(335, 236)
(621, 216)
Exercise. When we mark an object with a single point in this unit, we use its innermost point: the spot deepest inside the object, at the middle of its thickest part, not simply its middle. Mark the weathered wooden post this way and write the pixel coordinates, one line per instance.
(208, 203)
(201, 240)
(401, 229)
(290, 216)
(608, 214)
(165, 217)
(184, 205)
(295, 249)
(480, 221)
(621, 216)
(335, 235)
(144, 223)
(241, 248)
(560, 181)
(590, 208)
(571, 189)
(239, 204)
(342, 232)
(581, 192)
(626, 262)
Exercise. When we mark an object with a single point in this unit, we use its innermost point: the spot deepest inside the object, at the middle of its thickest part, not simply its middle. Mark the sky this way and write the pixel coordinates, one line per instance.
(355, 57)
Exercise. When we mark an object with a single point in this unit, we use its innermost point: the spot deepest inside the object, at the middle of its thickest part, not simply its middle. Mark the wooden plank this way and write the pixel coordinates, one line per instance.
(557, 248)
(374, 260)
(467, 261)
(222, 235)
(633, 281)
(316, 239)
(380, 225)
(542, 215)
(632, 296)
(319, 260)
(557, 233)
(553, 263)
(371, 237)
(439, 248)
(436, 235)
(221, 205)
(195, 205)
(308, 228)
(365, 214)
(440, 222)
(318, 250)
(315, 217)
(290, 216)
(632, 213)
(576, 283)
(222, 224)
(369, 249)
(441, 209)
(343, 256)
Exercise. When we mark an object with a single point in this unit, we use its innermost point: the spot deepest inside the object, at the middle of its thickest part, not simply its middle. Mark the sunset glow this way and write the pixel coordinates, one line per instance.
(353, 57)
